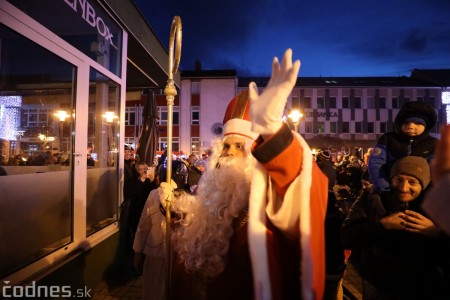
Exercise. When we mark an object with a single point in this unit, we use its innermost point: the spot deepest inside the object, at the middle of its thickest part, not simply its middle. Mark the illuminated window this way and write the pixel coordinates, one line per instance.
(446, 101)
(9, 117)
(132, 141)
(35, 117)
(195, 145)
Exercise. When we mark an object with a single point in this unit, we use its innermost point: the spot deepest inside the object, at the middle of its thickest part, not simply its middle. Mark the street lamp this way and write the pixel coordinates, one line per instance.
(61, 115)
(110, 116)
(295, 116)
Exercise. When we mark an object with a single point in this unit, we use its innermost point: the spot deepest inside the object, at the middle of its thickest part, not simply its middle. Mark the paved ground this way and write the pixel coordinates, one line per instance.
(352, 284)
(132, 290)
(127, 291)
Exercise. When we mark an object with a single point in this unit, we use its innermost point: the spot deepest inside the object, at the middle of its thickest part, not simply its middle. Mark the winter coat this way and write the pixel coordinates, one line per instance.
(404, 264)
(394, 145)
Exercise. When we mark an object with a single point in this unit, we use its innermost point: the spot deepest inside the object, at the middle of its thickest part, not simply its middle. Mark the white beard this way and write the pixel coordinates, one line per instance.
(202, 239)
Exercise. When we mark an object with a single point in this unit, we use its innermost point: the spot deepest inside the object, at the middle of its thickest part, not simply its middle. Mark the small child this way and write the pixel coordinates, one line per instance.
(410, 137)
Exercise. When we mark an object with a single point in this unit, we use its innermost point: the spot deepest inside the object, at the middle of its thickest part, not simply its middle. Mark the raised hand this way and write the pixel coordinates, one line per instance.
(267, 109)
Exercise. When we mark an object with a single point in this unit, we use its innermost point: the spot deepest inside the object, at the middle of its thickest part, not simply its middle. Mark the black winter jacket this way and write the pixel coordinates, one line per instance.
(392, 146)
(403, 264)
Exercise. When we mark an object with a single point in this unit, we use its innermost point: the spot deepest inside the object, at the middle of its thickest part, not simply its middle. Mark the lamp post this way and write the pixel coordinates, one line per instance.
(109, 117)
(61, 115)
(295, 116)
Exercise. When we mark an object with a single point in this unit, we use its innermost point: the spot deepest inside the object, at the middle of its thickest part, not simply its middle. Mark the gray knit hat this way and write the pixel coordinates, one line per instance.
(414, 166)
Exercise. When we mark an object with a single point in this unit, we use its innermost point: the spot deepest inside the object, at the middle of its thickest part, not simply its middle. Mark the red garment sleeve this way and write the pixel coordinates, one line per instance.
(273, 154)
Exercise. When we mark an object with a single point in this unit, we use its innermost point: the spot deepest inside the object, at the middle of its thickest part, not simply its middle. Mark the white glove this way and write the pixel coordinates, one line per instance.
(166, 191)
(266, 110)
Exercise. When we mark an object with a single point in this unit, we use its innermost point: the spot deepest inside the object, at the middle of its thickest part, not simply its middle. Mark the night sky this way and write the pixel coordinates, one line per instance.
(330, 37)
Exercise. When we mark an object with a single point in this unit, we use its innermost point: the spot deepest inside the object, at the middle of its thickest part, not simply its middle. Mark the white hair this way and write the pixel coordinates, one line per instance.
(203, 236)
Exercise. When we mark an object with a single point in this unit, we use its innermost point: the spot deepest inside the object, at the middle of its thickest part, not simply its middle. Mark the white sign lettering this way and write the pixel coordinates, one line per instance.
(89, 15)
(330, 114)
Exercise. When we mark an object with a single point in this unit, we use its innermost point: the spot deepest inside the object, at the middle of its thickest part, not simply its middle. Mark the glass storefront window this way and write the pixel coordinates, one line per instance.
(36, 144)
(103, 152)
(83, 24)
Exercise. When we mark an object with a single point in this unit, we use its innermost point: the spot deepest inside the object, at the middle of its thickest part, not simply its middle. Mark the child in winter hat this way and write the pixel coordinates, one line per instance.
(410, 137)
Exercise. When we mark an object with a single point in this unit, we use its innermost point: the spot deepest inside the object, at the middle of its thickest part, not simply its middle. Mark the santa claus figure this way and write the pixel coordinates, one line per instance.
(255, 228)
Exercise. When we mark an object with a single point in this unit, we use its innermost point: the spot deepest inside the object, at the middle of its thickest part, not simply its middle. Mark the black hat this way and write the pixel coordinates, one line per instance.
(418, 111)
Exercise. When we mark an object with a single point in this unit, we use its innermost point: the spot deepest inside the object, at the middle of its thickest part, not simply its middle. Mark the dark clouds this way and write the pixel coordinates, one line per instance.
(415, 42)
(332, 38)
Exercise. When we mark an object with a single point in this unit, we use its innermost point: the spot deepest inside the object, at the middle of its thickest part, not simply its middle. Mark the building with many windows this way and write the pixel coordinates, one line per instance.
(339, 113)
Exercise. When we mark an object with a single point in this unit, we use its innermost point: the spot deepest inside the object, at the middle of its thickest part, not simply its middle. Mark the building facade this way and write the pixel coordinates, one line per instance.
(339, 114)
(66, 70)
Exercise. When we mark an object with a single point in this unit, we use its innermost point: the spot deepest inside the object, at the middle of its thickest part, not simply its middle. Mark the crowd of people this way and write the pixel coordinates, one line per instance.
(38, 158)
(264, 218)
(140, 179)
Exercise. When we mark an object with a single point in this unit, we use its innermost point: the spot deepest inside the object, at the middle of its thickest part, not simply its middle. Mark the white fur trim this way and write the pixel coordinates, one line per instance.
(305, 180)
(257, 234)
(285, 217)
(239, 127)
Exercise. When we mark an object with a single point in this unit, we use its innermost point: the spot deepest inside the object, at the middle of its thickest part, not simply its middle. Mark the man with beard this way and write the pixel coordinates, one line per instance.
(255, 228)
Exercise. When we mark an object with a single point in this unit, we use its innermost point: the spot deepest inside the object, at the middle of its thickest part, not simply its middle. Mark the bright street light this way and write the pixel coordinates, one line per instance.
(295, 116)
(62, 115)
(110, 116)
